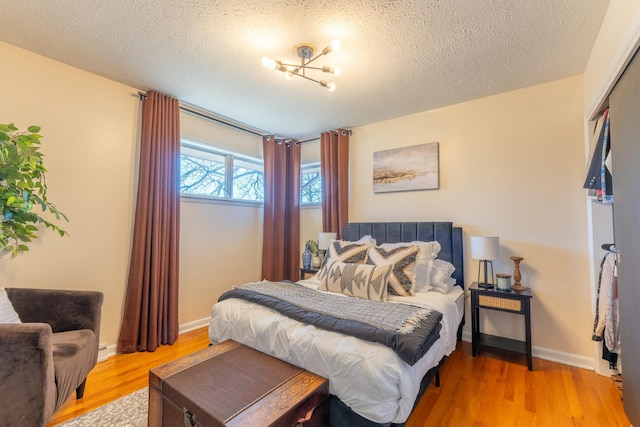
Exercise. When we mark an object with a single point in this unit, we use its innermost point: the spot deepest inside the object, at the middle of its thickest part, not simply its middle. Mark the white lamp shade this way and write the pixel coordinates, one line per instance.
(485, 247)
(324, 239)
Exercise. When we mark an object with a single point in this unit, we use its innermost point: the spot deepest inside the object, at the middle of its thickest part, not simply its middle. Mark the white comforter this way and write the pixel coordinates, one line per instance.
(368, 377)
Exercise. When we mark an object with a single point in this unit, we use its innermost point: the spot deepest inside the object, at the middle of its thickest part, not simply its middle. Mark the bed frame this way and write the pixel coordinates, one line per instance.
(450, 239)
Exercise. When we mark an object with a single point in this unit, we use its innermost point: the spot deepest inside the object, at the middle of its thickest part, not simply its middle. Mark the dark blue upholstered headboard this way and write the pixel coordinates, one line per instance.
(449, 237)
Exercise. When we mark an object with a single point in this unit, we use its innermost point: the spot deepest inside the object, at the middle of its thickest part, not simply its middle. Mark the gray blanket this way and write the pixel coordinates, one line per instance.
(408, 330)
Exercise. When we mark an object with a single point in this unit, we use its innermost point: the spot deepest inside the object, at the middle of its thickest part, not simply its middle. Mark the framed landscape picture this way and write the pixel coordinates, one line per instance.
(406, 168)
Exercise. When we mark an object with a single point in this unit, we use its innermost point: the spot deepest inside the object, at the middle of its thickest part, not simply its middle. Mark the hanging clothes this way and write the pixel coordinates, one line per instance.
(605, 280)
(605, 326)
(611, 330)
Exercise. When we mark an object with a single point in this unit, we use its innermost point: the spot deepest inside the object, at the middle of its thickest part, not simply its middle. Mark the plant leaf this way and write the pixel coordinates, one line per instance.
(23, 186)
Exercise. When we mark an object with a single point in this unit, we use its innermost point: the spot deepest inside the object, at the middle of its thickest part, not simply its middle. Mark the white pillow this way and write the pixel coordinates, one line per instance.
(427, 252)
(7, 313)
(441, 280)
(366, 240)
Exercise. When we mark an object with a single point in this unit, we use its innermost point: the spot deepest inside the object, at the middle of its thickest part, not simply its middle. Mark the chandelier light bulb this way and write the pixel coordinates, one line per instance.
(271, 64)
(305, 70)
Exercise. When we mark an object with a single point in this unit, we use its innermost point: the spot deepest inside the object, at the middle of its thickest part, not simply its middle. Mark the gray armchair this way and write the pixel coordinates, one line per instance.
(48, 356)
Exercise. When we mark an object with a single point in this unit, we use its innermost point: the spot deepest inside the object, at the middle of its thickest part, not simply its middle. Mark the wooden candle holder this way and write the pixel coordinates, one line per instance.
(516, 274)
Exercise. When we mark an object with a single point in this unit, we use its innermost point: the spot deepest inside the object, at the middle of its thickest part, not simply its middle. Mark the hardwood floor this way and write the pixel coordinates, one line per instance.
(125, 373)
(493, 389)
(496, 389)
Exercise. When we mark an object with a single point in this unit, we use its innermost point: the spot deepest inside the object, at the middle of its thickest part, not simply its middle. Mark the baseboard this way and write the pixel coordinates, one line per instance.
(553, 355)
(106, 351)
(564, 358)
(196, 324)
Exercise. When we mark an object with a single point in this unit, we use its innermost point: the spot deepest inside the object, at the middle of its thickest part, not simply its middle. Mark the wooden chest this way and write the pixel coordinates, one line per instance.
(229, 384)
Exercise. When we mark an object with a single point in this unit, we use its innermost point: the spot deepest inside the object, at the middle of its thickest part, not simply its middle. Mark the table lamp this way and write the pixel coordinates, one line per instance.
(323, 241)
(485, 249)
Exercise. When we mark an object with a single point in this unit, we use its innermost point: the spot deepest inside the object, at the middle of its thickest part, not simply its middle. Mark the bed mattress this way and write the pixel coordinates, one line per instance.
(368, 377)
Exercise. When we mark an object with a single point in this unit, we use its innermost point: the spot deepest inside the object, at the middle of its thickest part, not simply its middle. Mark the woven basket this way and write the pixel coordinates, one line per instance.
(501, 303)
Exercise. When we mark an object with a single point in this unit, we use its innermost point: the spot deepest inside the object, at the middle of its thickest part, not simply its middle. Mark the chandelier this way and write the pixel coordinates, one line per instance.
(306, 54)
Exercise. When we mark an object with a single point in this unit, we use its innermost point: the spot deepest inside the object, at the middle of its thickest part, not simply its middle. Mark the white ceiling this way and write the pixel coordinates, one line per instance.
(397, 57)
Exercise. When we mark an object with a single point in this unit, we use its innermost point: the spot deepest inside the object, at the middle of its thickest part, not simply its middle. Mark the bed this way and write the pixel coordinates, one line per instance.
(369, 383)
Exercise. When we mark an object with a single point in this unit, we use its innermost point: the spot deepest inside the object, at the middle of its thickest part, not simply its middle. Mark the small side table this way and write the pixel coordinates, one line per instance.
(305, 273)
(516, 302)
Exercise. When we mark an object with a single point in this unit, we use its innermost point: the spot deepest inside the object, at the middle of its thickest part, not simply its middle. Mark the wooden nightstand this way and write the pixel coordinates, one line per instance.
(305, 273)
(516, 302)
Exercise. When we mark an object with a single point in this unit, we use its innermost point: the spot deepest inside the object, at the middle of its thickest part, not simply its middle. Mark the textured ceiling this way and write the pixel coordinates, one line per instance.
(397, 57)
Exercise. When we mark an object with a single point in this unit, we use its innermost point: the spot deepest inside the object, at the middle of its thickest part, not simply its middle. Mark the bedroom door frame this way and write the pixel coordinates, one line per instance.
(599, 216)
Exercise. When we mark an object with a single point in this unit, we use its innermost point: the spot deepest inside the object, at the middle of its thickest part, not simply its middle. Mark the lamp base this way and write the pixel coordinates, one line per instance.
(518, 287)
(485, 285)
(485, 282)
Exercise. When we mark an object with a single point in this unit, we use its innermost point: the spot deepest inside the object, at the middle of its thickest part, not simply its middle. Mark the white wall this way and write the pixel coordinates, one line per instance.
(511, 165)
(220, 242)
(90, 128)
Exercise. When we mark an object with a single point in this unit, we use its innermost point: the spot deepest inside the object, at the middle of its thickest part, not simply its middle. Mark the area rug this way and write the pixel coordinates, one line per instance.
(128, 411)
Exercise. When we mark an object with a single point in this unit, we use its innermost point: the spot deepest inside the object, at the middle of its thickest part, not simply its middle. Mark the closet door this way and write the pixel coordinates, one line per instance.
(624, 108)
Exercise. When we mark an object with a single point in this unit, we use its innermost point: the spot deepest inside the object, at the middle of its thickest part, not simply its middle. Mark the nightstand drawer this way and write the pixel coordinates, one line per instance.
(500, 303)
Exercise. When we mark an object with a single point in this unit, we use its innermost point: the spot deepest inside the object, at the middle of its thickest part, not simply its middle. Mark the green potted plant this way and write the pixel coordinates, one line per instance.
(313, 247)
(23, 189)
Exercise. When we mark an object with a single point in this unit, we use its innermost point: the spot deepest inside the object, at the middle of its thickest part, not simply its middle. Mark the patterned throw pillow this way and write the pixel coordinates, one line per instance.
(402, 281)
(357, 280)
(427, 252)
(344, 251)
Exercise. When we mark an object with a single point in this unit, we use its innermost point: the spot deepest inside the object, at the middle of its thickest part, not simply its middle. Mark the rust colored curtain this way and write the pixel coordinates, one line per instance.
(334, 168)
(151, 302)
(281, 238)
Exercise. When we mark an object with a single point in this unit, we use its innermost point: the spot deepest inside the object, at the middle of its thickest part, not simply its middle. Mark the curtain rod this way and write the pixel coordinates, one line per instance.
(196, 111)
(222, 122)
(316, 138)
(309, 140)
(192, 109)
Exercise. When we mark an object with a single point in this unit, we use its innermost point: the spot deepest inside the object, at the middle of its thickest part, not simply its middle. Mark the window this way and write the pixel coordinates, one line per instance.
(205, 172)
(210, 173)
(310, 184)
(248, 180)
